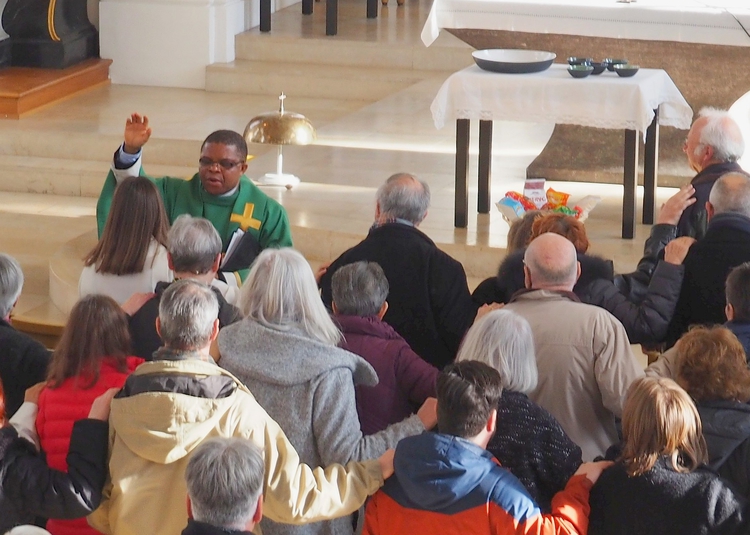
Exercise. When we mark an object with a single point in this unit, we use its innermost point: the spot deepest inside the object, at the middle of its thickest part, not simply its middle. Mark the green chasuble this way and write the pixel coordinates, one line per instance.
(247, 208)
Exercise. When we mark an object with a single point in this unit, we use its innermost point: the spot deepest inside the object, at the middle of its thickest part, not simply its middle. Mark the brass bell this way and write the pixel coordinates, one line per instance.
(280, 128)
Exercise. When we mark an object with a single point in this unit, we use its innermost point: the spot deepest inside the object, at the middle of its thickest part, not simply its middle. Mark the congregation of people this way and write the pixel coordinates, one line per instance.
(209, 381)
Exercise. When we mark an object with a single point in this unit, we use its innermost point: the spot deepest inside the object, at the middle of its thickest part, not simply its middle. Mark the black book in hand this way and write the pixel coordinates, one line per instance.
(242, 251)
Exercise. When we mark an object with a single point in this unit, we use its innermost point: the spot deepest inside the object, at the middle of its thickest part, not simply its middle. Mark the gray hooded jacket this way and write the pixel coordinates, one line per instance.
(308, 388)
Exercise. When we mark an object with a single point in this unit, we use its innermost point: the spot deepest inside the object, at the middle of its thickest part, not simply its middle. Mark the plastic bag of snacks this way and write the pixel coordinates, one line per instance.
(514, 205)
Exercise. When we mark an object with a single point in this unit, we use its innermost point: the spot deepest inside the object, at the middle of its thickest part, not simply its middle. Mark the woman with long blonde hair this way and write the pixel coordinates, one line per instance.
(659, 485)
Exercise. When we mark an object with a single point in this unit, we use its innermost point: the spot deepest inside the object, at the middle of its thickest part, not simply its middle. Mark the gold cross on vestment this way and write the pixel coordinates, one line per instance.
(246, 219)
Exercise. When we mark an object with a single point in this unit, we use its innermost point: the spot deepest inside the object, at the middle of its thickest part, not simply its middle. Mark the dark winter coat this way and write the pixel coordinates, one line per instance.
(741, 330)
(726, 428)
(694, 220)
(405, 381)
(707, 264)
(645, 321)
(29, 488)
(23, 363)
(664, 502)
(143, 323)
(429, 300)
(635, 284)
(531, 444)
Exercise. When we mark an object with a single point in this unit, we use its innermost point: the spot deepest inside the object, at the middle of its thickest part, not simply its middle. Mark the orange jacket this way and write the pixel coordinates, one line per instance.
(445, 484)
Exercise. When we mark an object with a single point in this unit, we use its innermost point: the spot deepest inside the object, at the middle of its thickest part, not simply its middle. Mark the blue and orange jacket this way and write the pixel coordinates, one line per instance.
(445, 484)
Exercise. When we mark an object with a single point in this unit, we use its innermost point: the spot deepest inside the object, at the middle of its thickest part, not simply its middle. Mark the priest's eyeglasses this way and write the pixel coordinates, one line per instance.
(224, 164)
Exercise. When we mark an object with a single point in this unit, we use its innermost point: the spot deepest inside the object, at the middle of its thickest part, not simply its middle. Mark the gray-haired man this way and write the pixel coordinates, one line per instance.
(225, 487)
(194, 253)
(713, 146)
(169, 407)
(23, 360)
(429, 300)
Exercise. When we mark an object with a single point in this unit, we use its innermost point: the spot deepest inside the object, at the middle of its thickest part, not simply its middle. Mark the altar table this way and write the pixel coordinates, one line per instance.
(638, 104)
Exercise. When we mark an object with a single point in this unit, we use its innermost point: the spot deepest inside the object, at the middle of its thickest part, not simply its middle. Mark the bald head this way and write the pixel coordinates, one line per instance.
(403, 196)
(730, 194)
(551, 263)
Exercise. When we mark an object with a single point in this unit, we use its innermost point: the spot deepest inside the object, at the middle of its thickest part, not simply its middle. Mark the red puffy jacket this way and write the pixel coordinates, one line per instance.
(59, 408)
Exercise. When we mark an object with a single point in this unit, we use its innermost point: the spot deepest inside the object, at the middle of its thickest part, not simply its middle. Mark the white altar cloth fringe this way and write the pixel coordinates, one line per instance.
(553, 96)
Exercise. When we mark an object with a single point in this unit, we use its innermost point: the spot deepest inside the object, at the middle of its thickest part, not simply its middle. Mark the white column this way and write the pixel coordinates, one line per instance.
(168, 42)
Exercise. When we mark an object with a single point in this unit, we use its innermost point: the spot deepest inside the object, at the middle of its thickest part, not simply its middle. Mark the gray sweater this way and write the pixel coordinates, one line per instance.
(308, 388)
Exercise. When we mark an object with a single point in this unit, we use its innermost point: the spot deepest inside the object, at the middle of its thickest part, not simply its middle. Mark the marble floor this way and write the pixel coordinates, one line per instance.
(359, 145)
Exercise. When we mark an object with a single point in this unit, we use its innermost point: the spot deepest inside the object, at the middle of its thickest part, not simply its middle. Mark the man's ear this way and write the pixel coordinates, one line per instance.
(169, 261)
(215, 330)
(377, 210)
(334, 308)
(216, 265)
(729, 312)
(710, 210)
(709, 153)
(527, 278)
(258, 510)
(158, 326)
(492, 421)
(383, 310)
(578, 271)
(189, 507)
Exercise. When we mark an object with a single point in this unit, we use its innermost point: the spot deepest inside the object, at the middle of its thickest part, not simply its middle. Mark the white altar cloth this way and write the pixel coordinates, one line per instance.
(553, 96)
(715, 22)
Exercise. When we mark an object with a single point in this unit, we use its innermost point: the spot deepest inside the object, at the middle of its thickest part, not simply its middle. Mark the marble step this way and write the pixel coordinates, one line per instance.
(366, 84)
(447, 53)
(91, 146)
(59, 176)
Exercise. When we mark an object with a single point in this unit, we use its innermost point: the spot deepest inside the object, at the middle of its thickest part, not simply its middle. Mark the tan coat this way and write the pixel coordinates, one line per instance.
(585, 366)
(152, 435)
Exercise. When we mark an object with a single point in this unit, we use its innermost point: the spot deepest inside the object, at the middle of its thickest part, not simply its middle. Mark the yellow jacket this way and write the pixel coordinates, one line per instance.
(153, 431)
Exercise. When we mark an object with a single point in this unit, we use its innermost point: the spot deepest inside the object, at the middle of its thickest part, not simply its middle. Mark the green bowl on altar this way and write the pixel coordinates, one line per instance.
(580, 71)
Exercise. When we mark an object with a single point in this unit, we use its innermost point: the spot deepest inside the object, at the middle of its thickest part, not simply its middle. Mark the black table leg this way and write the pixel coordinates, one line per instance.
(332, 17)
(307, 7)
(462, 172)
(629, 181)
(372, 9)
(485, 166)
(651, 169)
(265, 15)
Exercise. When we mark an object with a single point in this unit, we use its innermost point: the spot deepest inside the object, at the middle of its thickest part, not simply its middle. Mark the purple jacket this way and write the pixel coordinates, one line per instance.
(405, 380)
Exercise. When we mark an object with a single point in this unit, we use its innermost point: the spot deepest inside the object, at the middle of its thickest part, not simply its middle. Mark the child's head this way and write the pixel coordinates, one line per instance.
(659, 419)
(97, 327)
(360, 289)
(467, 396)
(738, 293)
(136, 217)
(712, 365)
(225, 483)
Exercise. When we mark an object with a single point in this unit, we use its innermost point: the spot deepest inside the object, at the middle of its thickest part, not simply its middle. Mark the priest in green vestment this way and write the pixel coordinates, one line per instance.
(219, 192)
